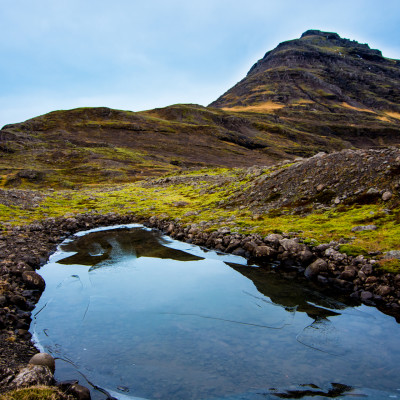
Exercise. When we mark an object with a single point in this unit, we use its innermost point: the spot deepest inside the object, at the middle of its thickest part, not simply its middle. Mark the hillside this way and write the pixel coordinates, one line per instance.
(317, 93)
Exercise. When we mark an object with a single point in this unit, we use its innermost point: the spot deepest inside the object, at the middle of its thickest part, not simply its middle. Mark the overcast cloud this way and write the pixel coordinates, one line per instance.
(135, 55)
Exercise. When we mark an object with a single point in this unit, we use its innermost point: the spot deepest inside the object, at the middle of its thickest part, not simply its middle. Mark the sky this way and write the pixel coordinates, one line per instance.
(138, 55)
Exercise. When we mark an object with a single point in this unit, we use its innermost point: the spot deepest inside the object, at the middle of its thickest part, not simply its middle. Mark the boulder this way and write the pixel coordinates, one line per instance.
(43, 359)
(348, 274)
(32, 375)
(264, 251)
(387, 195)
(33, 280)
(79, 392)
(366, 296)
(314, 269)
(273, 239)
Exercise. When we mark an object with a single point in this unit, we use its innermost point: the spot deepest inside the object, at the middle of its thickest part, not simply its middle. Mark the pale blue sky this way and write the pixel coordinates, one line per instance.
(137, 55)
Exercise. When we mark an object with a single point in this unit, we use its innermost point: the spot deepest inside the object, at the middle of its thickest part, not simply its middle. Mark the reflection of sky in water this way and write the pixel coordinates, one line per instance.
(143, 315)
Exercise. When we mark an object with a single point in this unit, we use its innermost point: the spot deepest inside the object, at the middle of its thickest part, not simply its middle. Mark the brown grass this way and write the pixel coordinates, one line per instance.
(393, 114)
(346, 105)
(264, 107)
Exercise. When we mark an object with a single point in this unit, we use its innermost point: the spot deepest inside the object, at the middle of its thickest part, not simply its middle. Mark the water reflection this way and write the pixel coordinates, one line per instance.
(130, 316)
(101, 246)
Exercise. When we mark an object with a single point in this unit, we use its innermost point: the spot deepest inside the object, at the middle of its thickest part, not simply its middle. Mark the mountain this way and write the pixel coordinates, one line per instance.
(317, 93)
(324, 85)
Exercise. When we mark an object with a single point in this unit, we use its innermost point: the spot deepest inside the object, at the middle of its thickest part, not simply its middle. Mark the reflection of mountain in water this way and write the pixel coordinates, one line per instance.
(290, 294)
(111, 245)
(321, 334)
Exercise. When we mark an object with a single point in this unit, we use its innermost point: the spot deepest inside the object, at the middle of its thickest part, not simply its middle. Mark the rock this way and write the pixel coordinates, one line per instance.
(43, 359)
(334, 255)
(233, 244)
(305, 256)
(24, 333)
(2, 322)
(273, 239)
(264, 251)
(79, 392)
(3, 300)
(20, 268)
(365, 296)
(296, 250)
(250, 246)
(180, 204)
(392, 254)
(239, 252)
(383, 290)
(33, 375)
(315, 268)
(322, 279)
(387, 195)
(364, 228)
(373, 191)
(348, 274)
(371, 279)
(18, 300)
(33, 280)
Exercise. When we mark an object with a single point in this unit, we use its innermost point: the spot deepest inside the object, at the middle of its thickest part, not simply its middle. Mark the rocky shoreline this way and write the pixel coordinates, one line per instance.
(23, 249)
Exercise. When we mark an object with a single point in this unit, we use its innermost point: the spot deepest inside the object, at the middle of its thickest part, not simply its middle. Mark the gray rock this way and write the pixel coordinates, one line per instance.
(33, 375)
(305, 256)
(365, 296)
(364, 228)
(292, 246)
(43, 359)
(373, 191)
(315, 268)
(239, 252)
(273, 238)
(392, 254)
(348, 274)
(334, 255)
(264, 251)
(387, 195)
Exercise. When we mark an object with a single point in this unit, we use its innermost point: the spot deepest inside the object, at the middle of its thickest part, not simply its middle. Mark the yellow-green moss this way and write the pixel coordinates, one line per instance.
(205, 197)
(34, 393)
(390, 265)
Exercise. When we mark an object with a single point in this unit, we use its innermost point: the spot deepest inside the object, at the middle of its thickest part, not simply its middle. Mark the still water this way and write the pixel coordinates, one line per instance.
(142, 316)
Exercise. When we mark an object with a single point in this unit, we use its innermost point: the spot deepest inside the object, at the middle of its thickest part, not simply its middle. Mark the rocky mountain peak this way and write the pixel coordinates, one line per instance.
(316, 32)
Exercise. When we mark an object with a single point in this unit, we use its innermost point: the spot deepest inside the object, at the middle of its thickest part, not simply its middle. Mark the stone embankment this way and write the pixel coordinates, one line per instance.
(360, 277)
(24, 249)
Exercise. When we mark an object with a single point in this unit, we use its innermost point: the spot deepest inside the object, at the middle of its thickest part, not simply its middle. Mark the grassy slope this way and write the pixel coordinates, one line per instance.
(203, 198)
(66, 149)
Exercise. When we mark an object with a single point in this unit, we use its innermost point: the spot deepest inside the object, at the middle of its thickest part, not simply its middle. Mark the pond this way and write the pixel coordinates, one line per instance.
(141, 316)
